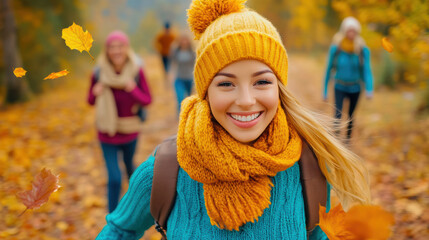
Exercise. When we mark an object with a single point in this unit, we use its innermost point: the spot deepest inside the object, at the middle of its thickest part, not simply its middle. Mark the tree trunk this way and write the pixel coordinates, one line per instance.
(16, 88)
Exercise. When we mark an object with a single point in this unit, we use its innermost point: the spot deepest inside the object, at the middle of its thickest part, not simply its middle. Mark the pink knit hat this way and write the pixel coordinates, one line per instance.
(117, 35)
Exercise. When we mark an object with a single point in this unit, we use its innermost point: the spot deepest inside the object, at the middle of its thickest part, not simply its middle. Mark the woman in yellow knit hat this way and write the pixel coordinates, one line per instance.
(239, 141)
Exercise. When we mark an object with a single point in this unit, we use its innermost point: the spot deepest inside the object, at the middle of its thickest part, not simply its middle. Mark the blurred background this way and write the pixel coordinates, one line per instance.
(47, 123)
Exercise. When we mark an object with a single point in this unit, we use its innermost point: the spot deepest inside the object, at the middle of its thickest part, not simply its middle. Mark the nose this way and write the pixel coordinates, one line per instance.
(245, 98)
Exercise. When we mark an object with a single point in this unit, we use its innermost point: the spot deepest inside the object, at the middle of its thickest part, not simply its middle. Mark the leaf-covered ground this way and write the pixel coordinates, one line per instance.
(56, 131)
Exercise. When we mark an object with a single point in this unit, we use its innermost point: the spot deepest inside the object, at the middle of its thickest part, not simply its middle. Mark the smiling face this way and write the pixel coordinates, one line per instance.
(351, 33)
(117, 53)
(243, 99)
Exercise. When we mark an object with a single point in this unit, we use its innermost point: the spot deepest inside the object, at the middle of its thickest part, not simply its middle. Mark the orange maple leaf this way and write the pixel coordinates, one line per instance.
(359, 223)
(19, 72)
(386, 44)
(332, 223)
(44, 184)
(369, 222)
(57, 74)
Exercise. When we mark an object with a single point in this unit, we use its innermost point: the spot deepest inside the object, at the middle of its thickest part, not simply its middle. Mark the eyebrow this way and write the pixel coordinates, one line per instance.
(262, 72)
(253, 75)
(225, 74)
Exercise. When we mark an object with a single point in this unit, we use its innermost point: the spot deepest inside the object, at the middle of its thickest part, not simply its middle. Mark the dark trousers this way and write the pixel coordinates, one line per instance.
(166, 63)
(183, 89)
(110, 152)
(339, 99)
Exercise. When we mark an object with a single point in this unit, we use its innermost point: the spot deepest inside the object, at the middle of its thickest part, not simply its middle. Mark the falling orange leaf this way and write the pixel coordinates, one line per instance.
(386, 44)
(44, 184)
(369, 222)
(332, 223)
(77, 39)
(57, 74)
(360, 222)
(19, 72)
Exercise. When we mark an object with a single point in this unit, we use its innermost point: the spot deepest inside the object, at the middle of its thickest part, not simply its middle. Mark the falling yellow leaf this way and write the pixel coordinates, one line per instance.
(77, 39)
(360, 222)
(386, 44)
(19, 72)
(57, 74)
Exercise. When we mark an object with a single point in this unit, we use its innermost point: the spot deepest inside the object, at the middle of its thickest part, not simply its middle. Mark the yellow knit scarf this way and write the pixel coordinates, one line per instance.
(235, 176)
(347, 45)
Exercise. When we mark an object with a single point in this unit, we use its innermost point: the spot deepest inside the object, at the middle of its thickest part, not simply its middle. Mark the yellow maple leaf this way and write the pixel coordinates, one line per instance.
(57, 74)
(77, 39)
(19, 72)
(386, 44)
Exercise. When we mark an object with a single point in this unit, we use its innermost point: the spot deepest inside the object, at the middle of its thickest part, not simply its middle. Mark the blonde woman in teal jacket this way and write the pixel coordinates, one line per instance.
(239, 141)
(349, 60)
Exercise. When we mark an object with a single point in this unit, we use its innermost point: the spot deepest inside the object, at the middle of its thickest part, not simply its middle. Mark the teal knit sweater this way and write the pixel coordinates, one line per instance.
(284, 219)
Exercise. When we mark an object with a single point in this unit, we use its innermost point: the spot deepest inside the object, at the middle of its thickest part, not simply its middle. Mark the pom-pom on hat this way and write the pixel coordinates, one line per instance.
(229, 32)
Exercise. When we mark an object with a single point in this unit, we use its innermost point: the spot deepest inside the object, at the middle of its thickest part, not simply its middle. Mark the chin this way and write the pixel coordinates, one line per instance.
(246, 138)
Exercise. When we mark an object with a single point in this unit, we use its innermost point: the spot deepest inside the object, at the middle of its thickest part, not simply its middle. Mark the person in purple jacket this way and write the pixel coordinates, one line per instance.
(118, 90)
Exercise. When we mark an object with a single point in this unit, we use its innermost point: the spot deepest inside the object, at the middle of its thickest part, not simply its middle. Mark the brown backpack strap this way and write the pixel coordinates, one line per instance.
(314, 186)
(164, 183)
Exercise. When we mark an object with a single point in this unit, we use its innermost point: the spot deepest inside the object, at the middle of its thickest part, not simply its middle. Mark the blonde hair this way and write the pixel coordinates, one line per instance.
(343, 169)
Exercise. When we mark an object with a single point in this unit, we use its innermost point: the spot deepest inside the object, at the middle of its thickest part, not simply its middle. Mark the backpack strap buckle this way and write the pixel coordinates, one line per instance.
(160, 230)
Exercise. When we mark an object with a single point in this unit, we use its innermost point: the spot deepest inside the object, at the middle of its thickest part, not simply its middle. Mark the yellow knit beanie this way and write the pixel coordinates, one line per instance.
(229, 32)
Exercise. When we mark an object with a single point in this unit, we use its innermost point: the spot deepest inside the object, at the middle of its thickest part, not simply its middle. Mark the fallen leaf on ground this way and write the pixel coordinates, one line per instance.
(19, 72)
(77, 39)
(57, 74)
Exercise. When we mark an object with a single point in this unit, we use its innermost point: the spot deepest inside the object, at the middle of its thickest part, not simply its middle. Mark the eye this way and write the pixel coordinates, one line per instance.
(263, 82)
(224, 84)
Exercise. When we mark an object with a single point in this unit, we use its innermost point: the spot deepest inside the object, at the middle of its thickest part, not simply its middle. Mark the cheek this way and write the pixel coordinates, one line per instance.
(219, 104)
(270, 100)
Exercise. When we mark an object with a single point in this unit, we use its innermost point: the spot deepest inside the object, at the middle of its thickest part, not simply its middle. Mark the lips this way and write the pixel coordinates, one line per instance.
(245, 120)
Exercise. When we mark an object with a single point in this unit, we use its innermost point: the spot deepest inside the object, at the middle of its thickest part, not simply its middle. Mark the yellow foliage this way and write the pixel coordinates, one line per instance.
(405, 22)
(19, 72)
(77, 39)
(343, 8)
(57, 74)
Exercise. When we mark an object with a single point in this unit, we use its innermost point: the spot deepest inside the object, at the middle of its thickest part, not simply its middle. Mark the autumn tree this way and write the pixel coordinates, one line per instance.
(39, 25)
(15, 87)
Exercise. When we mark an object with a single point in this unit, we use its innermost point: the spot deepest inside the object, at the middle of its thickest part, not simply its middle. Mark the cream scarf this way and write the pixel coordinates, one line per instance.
(106, 115)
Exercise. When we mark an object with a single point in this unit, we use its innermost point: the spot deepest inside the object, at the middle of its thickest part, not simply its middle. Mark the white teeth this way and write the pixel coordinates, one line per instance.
(247, 118)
